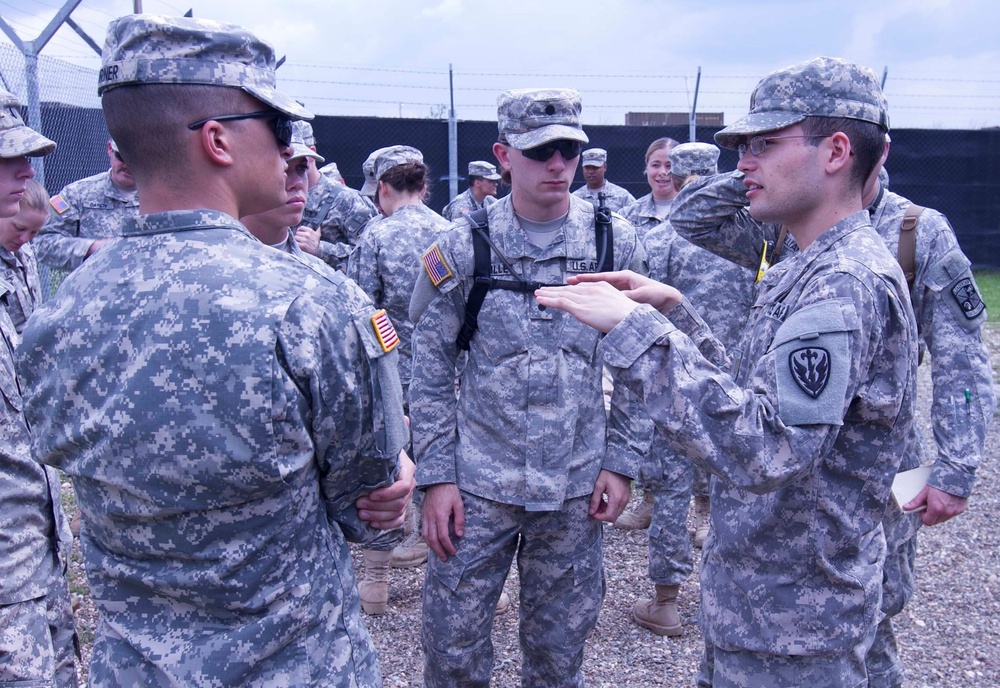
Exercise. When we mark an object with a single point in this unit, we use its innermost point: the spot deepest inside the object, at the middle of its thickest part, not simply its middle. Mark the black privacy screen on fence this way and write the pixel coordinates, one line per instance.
(954, 171)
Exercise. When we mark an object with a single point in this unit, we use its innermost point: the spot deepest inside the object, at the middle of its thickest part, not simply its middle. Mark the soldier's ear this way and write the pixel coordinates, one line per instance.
(502, 155)
(216, 143)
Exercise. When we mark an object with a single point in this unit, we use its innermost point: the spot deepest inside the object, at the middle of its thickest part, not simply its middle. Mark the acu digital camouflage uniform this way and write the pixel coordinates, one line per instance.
(643, 215)
(221, 411)
(949, 315)
(84, 211)
(38, 642)
(25, 289)
(525, 440)
(386, 264)
(722, 293)
(465, 202)
(793, 565)
(339, 213)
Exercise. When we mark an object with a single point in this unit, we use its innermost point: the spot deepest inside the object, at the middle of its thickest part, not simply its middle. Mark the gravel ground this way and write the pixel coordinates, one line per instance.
(949, 633)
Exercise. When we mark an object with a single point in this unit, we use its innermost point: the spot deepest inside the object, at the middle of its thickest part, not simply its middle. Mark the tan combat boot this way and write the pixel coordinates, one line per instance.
(639, 517)
(374, 586)
(412, 551)
(659, 614)
(702, 522)
(503, 604)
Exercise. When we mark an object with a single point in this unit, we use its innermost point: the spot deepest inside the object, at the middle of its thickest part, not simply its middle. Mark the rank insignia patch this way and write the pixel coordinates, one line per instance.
(59, 204)
(435, 265)
(968, 298)
(384, 331)
(810, 368)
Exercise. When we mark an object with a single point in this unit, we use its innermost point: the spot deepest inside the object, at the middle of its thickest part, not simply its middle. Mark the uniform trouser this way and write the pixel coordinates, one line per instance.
(743, 669)
(885, 668)
(38, 641)
(670, 561)
(559, 558)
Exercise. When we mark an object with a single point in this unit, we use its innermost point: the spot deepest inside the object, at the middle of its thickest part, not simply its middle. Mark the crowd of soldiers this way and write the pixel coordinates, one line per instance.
(246, 353)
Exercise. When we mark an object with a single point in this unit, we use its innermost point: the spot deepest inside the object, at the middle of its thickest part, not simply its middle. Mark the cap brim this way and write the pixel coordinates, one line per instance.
(369, 187)
(300, 151)
(757, 123)
(492, 177)
(592, 163)
(23, 140)
(542, 135)
(279, 101)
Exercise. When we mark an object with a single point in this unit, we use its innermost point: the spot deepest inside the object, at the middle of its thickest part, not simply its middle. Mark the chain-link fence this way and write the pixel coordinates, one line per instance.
(955, 171)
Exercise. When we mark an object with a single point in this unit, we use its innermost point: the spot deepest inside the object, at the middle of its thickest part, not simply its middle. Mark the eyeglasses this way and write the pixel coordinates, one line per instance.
(567, 148)
(281, 125)
(758, 144)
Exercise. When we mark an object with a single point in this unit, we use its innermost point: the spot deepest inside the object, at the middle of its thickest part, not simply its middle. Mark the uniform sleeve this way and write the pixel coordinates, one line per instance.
(763, 436)
(629, 429)
(58, 244)
(711, 212)
(437, 312)
(362, 267)
(351, 373)
(950, 313)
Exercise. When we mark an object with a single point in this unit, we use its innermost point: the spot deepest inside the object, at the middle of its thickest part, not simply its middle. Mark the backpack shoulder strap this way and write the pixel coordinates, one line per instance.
(907, 252)
(479, 223)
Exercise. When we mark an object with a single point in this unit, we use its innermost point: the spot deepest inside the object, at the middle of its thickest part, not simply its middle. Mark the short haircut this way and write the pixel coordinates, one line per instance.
(149, 121)
(867, 141)
(35, 196)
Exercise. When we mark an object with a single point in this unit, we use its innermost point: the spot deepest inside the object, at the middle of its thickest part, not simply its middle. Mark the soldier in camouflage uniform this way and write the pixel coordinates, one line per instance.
(949, 314)
(37, 639)
(17, 258)
(340, 214)
(722, 292)
(595, 166)
(654, 207)
(523, 464)
(87, 214)
(225, 405)
(805, 434)
(386, 264)
(482, 191)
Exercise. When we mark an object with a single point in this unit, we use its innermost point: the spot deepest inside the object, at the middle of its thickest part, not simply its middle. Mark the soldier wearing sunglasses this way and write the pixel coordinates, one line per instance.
(225, 410)
(522, 464)
(87, 214)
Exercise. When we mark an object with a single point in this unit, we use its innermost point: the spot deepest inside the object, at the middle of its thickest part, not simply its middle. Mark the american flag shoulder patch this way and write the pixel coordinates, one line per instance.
(59, 204)
(384, 331)
(435, 265)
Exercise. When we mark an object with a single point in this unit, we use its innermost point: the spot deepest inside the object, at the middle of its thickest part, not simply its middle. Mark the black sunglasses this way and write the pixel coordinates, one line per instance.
(567, 148)
(281, 125)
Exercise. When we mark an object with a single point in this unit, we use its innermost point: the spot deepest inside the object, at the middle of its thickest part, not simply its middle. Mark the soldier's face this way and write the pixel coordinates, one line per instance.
(594, 175)
(487, 187)
(658, 175)
(14, 174)
(16, 231)
(784, 184)
(537, 184)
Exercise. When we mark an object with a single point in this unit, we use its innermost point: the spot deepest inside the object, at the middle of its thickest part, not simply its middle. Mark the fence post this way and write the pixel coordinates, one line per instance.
(452, 140)
(693, 124)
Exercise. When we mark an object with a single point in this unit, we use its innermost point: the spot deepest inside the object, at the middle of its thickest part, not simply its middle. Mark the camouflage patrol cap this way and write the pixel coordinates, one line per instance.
(368, 167)
(308, 137)
(821, 87)
(394, 156)
(16, 138)
(331, 170)
(153, 49)
(595, 157)
(694, 158)
(299, 147)
(481, 168)
(531, 117)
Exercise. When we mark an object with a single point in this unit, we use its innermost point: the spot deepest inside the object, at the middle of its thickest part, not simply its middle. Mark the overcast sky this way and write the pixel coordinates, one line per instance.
(943, 56)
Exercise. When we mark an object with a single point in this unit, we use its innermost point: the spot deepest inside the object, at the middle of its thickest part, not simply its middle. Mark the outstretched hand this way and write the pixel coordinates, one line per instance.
(603, 299)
